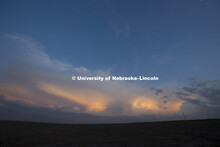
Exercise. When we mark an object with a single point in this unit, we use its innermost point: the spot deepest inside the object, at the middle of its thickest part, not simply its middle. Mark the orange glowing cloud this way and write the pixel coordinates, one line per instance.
(19, 92)
(92, 100)
(96, 106)
(154, 105)
(145, 105)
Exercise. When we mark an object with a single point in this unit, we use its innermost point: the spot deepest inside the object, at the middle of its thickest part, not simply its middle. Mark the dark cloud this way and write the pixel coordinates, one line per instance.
(193, 101)
(190, 89)
(164, 97)
(210, 90)
(203, 95)
(180, 94)
(19, 110)
(157, 91)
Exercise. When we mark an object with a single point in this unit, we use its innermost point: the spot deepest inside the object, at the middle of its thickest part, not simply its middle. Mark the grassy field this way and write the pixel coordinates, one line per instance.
(171, 133)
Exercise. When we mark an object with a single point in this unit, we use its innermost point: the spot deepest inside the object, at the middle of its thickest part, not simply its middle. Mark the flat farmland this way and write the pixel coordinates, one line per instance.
(168, 133)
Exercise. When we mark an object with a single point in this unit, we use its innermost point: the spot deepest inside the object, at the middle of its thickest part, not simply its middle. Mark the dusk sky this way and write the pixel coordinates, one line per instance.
(44, 43)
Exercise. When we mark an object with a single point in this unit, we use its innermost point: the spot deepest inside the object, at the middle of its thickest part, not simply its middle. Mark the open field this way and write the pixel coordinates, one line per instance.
(170, 133)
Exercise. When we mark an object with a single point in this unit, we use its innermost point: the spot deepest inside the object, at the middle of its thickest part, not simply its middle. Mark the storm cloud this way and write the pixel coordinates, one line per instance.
(37, 87)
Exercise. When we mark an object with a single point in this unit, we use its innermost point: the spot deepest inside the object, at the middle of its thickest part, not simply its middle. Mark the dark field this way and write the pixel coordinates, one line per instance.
(171, 133)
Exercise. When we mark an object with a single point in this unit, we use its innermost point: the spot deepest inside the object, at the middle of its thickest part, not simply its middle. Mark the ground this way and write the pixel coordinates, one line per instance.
(171, 133)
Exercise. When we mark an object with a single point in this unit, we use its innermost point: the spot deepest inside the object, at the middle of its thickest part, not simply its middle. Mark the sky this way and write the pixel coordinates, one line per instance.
(44, 43)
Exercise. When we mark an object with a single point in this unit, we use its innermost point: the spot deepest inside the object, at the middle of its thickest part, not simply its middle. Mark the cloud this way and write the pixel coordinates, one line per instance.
(157, 91)
(209, 90)
(202, 98)
(19, 110)
(44, 83)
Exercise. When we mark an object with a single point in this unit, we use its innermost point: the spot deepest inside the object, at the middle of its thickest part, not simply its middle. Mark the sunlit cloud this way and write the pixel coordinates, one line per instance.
(93, 100)
(154, 104)
(145, 105)
(37, 79)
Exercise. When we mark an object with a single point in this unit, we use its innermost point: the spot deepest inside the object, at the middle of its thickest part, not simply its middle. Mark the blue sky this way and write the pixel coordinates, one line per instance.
(174, 39)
